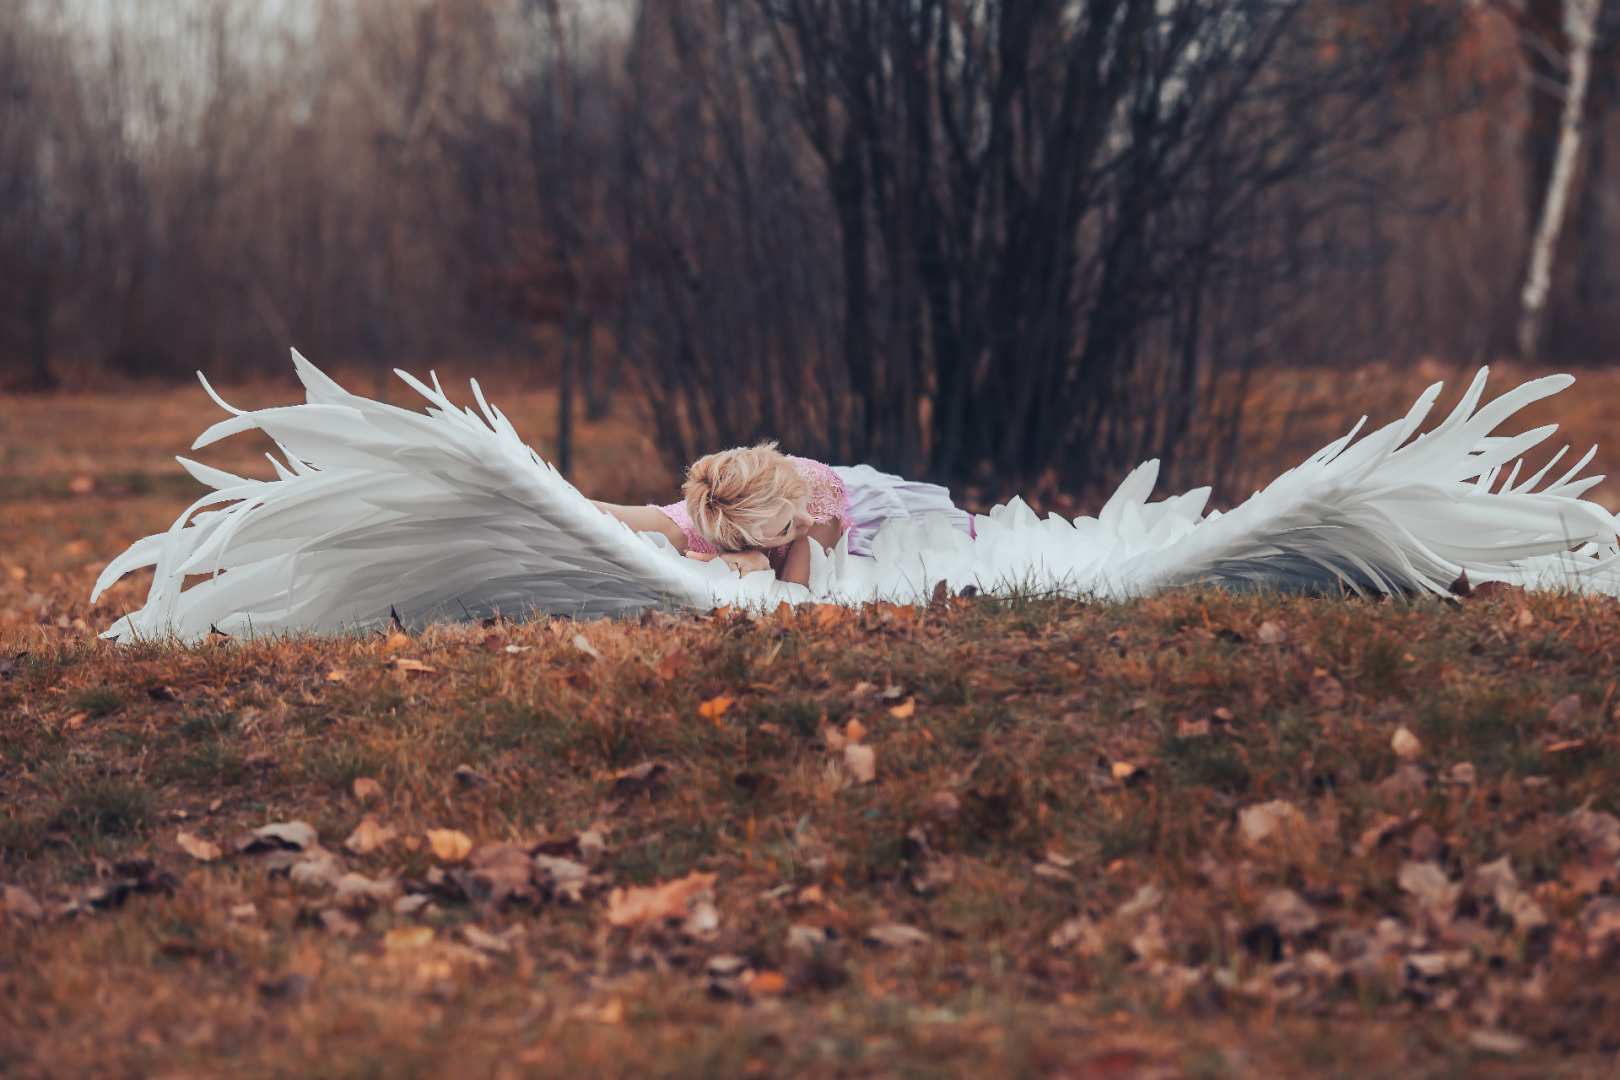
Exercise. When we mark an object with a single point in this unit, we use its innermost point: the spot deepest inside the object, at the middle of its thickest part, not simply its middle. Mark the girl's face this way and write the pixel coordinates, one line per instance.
(789, 523)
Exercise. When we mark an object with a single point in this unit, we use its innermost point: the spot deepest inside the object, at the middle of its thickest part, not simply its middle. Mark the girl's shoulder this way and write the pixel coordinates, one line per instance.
(828, 499)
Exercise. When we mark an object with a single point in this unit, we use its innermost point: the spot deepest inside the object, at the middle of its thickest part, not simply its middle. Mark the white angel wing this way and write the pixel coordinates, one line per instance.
(378, 507)
(1382, 513)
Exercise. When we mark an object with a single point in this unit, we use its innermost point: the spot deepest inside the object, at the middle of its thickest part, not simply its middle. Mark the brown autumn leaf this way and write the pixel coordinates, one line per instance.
(639, 905)
(76, 721)
(713, 709)
(1406, 745)
(369, 835)
(21, 904)
(854, 731)
(338, 675)
(397, 640)
(366, 788)
(408, 664)
(449, 845)
(502, 872)
(198, 848)
(407, 938)
(905, 710)
(671, 664)
(861, 761)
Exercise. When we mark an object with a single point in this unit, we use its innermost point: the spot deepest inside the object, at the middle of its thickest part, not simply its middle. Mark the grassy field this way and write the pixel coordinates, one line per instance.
(1197, 836)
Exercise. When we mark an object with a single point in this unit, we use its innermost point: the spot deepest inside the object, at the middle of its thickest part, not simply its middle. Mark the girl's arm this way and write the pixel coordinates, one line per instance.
(646, 519)
(795, 565)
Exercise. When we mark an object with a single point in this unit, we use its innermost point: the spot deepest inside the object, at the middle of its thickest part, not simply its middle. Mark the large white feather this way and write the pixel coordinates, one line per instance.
(447, 512)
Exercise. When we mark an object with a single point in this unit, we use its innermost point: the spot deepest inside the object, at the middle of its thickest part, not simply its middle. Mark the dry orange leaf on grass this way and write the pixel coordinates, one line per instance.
(397, 640)
(449, 845)
(405, 663)
(638, 905)
(367, 788)
(904, 710)
(76, 721)
(407, 938)
(369, 835)
(713, 709)
(337, 675)
(198, 848)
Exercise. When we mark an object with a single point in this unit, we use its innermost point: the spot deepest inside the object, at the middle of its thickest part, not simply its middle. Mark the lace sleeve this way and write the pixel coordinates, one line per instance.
(828, 499)
(677, 513)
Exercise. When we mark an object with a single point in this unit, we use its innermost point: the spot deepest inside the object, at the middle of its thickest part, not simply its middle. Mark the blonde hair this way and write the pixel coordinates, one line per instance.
(731, 494)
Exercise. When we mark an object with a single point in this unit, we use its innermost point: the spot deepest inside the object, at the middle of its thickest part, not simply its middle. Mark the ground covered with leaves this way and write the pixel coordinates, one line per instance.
(1194, 836)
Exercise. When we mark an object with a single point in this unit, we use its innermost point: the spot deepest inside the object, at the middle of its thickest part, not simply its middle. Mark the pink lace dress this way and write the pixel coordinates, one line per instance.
(828, 500)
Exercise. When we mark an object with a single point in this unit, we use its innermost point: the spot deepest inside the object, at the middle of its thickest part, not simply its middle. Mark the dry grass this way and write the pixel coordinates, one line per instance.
(1088, 902)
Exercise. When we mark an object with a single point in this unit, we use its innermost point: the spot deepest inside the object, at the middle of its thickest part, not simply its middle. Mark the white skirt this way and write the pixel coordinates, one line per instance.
(875, 497)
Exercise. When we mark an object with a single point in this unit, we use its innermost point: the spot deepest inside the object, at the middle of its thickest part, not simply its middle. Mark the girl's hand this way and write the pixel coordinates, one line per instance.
(746, 562)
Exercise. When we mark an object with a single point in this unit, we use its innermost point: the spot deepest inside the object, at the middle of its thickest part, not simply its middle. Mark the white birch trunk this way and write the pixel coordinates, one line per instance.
(1580, 18)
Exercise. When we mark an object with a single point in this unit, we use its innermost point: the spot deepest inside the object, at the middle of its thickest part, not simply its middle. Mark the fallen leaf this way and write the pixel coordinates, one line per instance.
(338, 675)
(1187, 728)
(1462, 774)
(861, 761)
(1597, 830)
(397, 640)
(1122, 770)
(895, 936)
(1260, 822)
(358, 891)
(368, 836)
(854, 731)
(1565, 711)
(1600, 918)
(76, 721)
(366, 788)
(768, 984)
(407, 664)
(1288, 912)
(502, 872)
(713, 709)
(905, 710)
(1427, 883)
(449, 845)
(407, 938)
(643, 778)
(583, 644)
(1406, 745)
(1271, 633)
(515, 649)
(198, 848)
(315, 869)
(282, 835)
(21, 904)
(500, 944)
(565, 879)
(1502, 1043)
(469, 777)
(639, 905)
(943, 807)
(1524, 619)
(81, 485)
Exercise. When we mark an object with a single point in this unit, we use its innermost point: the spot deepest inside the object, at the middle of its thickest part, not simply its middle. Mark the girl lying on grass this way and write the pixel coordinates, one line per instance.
(759, 509)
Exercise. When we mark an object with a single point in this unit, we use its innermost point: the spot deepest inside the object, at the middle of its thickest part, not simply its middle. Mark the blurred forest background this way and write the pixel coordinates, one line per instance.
(1005, 244)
